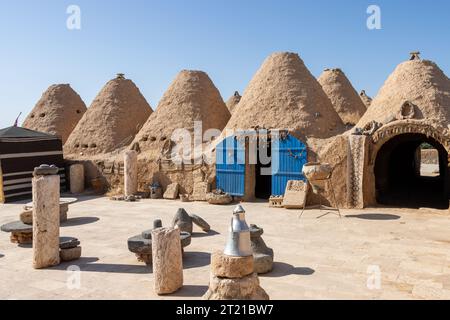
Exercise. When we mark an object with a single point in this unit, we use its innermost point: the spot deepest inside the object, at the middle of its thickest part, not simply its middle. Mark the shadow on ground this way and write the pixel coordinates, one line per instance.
(88, 264)
(193, 260)
(73, 222)
(210, 233)
(190, 291)
(83, 197)
(374, 216)
(281, 269)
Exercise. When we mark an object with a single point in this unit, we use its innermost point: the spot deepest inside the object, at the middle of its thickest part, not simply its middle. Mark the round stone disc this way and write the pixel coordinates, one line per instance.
(62, 201)
(68, 243)
(138, 244)
(17, 226)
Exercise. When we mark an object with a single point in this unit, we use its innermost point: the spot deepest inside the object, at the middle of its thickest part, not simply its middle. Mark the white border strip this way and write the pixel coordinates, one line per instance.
(23, 185)
(30, 154)
(17, 186)
(17, 194)
(22, 173)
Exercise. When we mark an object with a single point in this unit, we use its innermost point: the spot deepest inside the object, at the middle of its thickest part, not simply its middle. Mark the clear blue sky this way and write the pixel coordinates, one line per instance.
(152, 40)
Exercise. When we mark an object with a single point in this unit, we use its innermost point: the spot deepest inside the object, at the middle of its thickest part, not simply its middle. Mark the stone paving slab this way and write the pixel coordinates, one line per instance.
(325, 258)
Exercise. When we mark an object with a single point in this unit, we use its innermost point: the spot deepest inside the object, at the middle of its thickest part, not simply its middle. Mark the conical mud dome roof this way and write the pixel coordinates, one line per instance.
(284, 95)
(233, 101)
(112, 121)
(342, 95)
(417, 89)
(365, 98)
(57, 112)
(192, 96)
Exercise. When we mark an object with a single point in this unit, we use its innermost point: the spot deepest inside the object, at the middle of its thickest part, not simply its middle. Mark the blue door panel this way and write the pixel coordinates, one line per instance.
(230, 166)
(288, 157)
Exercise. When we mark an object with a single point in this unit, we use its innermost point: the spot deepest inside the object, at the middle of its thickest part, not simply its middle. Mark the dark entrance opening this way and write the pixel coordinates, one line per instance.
(398, 177)
(263, 174)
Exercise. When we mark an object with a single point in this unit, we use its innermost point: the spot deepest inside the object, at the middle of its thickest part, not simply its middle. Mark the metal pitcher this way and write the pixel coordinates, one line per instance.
(238, 243)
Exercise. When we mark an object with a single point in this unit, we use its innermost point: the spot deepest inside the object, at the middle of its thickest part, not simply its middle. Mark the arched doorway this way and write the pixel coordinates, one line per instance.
(399, 180)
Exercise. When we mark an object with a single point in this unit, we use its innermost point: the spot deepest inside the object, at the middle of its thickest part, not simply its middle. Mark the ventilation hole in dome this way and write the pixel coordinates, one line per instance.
(42, 115)
(77, 145)
(32, 116)
(78, 111)
(153, 139)
(85, 146)
(163, 138)
(144, 138)
(93, 145)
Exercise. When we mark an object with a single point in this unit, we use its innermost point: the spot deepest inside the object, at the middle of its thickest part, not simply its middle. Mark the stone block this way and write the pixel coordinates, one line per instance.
(201, 189)
(295, 194)
(172, 191)
(231, 267)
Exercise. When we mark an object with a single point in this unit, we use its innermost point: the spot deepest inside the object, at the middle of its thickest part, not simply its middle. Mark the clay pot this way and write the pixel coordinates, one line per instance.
(316, 171)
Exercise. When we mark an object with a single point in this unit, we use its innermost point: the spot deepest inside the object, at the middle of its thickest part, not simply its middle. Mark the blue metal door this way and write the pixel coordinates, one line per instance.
(288, 157)
(230, 166)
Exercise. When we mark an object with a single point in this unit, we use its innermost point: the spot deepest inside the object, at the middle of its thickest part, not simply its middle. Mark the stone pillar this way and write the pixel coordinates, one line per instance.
(76, 178)
(167, 260)
(130, 171)
(356, 160)
(45, 220)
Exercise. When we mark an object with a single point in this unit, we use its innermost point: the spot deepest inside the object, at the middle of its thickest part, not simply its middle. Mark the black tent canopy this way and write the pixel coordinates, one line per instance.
(21, 150)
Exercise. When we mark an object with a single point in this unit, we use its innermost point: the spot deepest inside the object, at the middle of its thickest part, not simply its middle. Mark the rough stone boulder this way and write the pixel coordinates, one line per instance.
(246, 288)
(219, 199)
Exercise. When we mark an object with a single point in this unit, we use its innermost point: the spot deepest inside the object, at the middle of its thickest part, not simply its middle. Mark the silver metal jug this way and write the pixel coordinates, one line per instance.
(238, 243)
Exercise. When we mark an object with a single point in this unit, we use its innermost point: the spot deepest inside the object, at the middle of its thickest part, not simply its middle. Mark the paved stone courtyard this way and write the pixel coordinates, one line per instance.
(326, 258)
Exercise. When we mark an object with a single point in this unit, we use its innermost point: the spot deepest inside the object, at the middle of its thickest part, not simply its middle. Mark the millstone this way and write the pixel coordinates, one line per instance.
(139, 245)
(157, 224)
(17, 226)
(68, 243)
(183, 221)
(142, 246)
(45, 170)
(200, 222)
(147, 234)
(263, 255)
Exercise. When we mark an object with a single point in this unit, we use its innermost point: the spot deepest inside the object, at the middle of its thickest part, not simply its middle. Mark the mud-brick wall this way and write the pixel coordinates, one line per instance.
(336, 155)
